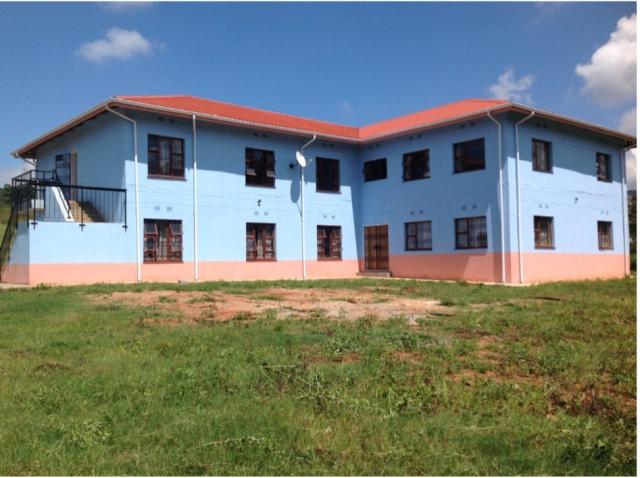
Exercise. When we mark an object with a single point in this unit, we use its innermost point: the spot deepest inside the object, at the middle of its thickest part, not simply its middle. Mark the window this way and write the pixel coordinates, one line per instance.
(605, 235)
(603, 166)
(471, 233)
(261, 242)
(165, 156)
(541, 155)
(259, 168)
(162, 241)
(415, 165)
(417, 236)
(327, 175)
(329, 243)
(376, 169)
(543, 232)
(468, 156)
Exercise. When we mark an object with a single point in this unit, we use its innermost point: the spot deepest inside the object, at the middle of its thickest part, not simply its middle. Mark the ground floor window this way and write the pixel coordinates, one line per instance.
(261, 242)
(417, 236)
(329, 243)
(471, 233)
(162, 241)
(543, 232)
(605, 235)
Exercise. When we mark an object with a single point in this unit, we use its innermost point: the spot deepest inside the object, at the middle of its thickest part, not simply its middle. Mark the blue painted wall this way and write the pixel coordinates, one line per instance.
(572, 195)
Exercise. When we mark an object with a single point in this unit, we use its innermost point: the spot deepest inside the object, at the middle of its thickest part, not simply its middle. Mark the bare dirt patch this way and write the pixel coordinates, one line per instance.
(179, 307)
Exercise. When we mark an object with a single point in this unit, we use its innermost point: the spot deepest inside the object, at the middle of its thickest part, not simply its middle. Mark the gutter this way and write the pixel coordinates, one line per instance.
(503, 271)
(518, 206)
(137, 189)
(625, 214)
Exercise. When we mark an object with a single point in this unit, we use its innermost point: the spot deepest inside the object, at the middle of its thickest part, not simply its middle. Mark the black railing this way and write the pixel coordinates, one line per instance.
(41, 196)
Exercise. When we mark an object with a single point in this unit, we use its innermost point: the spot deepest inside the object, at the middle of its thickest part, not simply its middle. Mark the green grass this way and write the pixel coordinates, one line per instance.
(537, 380)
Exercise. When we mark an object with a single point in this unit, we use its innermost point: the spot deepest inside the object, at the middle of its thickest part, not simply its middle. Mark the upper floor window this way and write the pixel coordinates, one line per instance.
(415, 165)
(417, 236)
(543, 232)
(471, 232)
(541, 155)
(327, 175)
(259, 167)
(165, 156)
(329, 243)
(162, 241)
(261, 242)
(468, 156)
(603, 167)
(605, 235)
(376, 169)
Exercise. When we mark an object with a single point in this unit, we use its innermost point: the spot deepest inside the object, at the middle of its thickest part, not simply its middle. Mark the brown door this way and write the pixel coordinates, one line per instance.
(376, 248)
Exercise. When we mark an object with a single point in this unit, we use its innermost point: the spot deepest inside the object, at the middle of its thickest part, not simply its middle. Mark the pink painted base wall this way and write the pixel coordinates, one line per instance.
(538, 267)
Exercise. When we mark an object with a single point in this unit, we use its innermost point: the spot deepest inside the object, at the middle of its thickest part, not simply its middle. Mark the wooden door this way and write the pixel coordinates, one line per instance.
(376, 248)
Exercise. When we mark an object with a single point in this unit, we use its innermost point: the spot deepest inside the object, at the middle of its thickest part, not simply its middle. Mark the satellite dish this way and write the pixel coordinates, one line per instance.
(302, 161)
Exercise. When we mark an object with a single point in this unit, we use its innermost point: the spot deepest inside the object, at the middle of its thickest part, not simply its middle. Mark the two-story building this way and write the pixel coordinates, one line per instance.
(178, 188)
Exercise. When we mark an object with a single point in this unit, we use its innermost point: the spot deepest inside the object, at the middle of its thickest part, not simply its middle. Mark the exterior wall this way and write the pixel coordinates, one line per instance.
(441, 199)
(65, 253)
(573, 196)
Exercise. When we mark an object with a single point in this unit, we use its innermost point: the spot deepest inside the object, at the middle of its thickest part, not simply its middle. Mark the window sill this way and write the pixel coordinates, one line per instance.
(372, 180)
(327, 192)
(606, 248)
(470, 171)
(264, 186)
(170, 178)
(262, 260)
(547, 248)
(481, 248)
(163, 262)
(324, 259)
(415, 179)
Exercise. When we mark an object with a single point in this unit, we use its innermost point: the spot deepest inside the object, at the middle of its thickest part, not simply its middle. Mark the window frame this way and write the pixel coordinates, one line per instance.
(332, 246)
(551, 241)
(180, 174)
(407, 163)
(416, 224)
(602, 247)
(265, 173)
(371, 162)
(609, 177)
(170, 237)
(335, 185)
(467, 233)
(456, 169)
(534, 156)
(262, 239)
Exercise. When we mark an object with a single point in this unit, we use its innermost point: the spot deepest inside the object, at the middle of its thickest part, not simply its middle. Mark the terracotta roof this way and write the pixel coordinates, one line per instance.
(226, 113)
(438, 114)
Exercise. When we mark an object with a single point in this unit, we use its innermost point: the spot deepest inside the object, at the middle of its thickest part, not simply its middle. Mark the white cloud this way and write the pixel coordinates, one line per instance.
(631, 164)
(627, 122)
(610, 75)
(118, 44)
(509, 87)
(346, 108)
(125, 7)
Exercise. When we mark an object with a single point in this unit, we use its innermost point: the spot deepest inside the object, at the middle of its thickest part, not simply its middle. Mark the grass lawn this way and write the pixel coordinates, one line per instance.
(497, 381)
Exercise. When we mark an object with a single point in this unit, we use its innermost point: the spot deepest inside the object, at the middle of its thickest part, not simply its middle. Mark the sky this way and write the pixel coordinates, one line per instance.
(351, 63)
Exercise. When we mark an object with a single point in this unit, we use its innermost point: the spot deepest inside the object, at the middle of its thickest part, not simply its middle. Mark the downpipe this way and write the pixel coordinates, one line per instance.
(195, 204)
(302, 235)
(137, 189)
(518, 206)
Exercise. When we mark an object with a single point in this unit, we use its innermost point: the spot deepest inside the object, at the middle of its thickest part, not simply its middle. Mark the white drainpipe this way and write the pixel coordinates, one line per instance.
(195, 204)
(501, 199)
(304, 255)
(137, 190)
(625, 215)
(518, 207)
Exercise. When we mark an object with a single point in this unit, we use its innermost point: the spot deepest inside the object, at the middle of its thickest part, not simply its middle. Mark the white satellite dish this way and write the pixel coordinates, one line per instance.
(302, 161)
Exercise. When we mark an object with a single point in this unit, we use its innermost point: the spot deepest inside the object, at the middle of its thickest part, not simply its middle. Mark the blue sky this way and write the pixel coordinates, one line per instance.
(348, 63)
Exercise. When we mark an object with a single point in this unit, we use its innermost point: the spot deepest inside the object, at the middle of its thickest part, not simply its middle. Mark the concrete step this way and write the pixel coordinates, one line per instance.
(84, 210)
(375, 274)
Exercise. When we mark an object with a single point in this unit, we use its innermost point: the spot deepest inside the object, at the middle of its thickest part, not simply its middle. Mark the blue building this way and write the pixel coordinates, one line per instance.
(168, 188)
